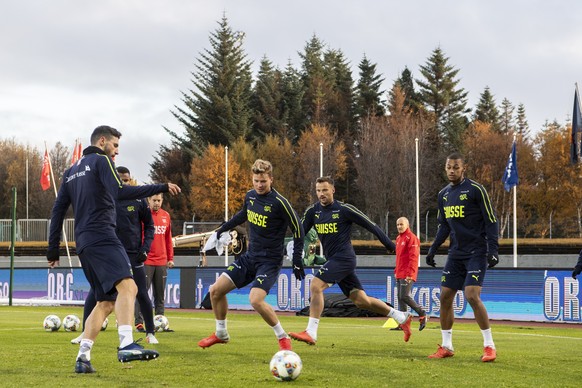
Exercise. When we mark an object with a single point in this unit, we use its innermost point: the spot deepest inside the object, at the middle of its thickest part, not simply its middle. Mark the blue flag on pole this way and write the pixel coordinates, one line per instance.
(510, 177)
(576, 128)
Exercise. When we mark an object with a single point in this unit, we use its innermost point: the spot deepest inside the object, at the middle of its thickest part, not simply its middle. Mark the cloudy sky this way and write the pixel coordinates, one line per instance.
(67, 66)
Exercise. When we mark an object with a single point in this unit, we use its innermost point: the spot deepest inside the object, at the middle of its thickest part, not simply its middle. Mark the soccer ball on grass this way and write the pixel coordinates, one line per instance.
(52, 323)
(286, 365)
(161, 323)
(71, 323)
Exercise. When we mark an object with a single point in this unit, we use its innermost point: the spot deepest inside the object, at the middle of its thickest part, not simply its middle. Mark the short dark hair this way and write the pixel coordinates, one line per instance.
(104, 130)
(123, 170)
(456, 156)
(325, 179)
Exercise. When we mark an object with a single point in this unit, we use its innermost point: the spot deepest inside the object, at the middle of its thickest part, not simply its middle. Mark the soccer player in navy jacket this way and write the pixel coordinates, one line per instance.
(269, 214)
(333, 222)
(92, 187)
(466, 216)
(135, 229)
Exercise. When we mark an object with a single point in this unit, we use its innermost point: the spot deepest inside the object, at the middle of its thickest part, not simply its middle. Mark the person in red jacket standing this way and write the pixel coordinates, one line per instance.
(160, 256)
(407, 253)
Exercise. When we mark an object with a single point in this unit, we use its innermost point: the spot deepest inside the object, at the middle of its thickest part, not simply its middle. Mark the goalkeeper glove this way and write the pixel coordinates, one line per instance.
(492, 260)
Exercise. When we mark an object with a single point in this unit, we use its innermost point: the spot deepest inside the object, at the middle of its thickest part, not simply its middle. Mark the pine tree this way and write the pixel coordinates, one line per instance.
(340, 104)
(316, 87)
(293, 91)
(506, 119)
(440, 94)
(521, 123)
(217, 110)
(267, 102)
(369, 96)
(486, 110)
(406, 84)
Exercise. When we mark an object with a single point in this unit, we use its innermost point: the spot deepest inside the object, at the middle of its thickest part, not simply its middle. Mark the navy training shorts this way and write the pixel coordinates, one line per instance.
(258, 272)
(105, 264)
(460, 273)
(342, 272)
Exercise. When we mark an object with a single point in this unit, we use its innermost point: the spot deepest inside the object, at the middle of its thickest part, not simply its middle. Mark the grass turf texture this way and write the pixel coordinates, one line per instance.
(351, 352)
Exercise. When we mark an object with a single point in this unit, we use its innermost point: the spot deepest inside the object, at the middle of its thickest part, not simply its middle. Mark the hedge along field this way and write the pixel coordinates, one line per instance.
(351, 352)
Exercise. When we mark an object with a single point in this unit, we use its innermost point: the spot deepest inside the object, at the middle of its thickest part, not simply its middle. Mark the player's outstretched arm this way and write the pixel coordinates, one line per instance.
(359, 218)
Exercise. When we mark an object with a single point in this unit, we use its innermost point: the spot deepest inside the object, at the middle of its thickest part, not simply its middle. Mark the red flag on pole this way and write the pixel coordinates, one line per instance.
(45, 175)
(76, 152)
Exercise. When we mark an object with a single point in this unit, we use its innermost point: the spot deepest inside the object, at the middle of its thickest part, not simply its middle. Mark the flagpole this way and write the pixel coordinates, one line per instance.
(515, 209)
(417, 196)
(515, 226)
(55, 190)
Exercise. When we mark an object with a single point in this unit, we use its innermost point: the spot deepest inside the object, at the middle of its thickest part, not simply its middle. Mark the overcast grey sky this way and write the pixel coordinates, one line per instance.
(67, 66)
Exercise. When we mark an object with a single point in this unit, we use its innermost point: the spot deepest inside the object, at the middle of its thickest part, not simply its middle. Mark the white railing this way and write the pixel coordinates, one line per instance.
(33, 230)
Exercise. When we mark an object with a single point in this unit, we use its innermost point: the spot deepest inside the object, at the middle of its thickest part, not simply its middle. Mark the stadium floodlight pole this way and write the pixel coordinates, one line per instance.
(226, 198)
(12, 244)
(515, 216)
(320, 159)
(417, 196)
(321, 174)
(27, 190)
(55, 190)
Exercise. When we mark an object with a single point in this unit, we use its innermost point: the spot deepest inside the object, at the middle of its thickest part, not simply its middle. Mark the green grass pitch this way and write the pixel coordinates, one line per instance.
(351, 352)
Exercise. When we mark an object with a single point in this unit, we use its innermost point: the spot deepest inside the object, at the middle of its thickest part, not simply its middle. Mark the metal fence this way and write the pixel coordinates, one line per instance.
(199, 227)
(38, 230)
(34, 230)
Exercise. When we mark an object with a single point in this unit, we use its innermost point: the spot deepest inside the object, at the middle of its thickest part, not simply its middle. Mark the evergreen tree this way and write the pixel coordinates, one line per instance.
(440, 94)
(369, 96)
(312, 75)
(267, 102)
(293, 91)
(486, 110)
(340, 103)
(217, 110)
(506, 119)
(521, 123)
(406, 84)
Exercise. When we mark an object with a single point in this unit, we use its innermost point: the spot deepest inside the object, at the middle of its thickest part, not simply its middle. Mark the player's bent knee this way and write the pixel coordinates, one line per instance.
(126, 285)
(317, 286)
(106, 306)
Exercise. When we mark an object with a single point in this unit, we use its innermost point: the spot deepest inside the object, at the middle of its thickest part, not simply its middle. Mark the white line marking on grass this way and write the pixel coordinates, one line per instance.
(496, 332)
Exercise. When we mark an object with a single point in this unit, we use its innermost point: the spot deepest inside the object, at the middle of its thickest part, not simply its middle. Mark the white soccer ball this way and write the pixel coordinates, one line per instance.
(286, 365)
(52, 323)
(104, 325)
(161, 323)
(71, 323)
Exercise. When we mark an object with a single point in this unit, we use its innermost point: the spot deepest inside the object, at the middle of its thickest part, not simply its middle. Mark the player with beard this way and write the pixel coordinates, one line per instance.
(92, 186)
(333, 222)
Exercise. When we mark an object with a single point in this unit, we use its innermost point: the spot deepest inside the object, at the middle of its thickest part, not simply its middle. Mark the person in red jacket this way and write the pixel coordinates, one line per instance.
(407, 253)
(160, 256)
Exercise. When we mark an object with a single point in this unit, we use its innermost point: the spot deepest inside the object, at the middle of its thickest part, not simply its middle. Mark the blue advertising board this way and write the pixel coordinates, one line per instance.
(65, 285)
(508, 294)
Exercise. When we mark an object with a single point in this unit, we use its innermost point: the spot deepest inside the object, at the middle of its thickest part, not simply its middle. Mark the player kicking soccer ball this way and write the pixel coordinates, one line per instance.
(269, 215)
(333, 222)
(92, 187)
